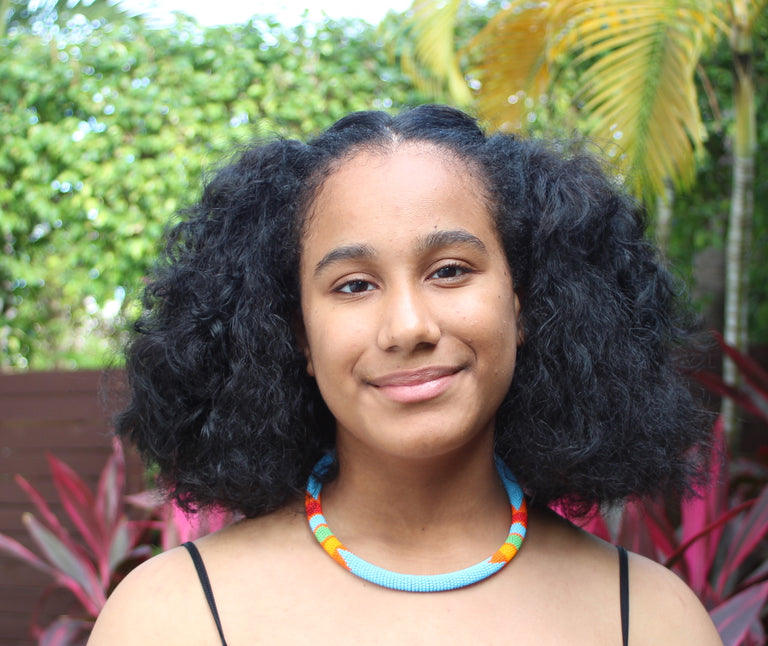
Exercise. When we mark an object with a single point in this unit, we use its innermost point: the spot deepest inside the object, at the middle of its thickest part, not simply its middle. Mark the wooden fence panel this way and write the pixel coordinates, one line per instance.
(62, 413)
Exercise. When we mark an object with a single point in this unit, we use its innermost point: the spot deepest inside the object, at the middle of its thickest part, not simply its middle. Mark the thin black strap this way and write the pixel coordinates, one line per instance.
(624, 593)
(205, 582)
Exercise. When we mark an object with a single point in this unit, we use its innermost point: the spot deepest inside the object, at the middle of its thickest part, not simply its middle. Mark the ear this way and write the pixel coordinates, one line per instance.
(301, 338)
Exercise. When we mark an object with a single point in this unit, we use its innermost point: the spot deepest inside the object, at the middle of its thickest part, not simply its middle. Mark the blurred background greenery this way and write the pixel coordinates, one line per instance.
(109, 122)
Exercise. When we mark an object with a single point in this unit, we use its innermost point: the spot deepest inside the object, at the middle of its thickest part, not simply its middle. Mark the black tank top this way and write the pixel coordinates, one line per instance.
(202, 574)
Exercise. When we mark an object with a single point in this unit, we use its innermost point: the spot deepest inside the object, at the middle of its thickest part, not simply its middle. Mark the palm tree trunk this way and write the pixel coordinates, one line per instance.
(741, 213)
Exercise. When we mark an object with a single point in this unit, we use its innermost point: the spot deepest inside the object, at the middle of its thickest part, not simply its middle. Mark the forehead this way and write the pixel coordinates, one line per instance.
(413, 179)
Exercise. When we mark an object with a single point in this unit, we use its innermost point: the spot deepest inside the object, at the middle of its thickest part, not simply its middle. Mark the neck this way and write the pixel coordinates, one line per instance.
(393, 511)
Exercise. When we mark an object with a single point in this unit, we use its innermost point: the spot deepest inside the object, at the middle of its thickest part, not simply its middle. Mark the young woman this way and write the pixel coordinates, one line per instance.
(356, 342)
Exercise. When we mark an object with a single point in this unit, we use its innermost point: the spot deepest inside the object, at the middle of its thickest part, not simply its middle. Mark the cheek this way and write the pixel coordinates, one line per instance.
(333, 347)
(494, 315)
(501, 333)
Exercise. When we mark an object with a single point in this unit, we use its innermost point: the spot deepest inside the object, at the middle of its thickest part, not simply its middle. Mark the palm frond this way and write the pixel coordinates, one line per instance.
(432, 61)
(639, 87)
(514, 60)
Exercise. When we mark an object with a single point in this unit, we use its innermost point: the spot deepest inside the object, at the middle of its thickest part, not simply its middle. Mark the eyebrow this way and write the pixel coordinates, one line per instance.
(434, 240)
(347, 252)
(446, 238)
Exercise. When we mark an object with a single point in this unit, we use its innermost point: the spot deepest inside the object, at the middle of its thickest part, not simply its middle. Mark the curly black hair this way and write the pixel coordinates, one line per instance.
(598, 409)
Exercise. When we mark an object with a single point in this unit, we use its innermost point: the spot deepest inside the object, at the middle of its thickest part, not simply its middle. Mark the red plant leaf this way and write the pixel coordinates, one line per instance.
(722, 520)
(70, 563)
(120, 545)
(756, 635)
(80, 505)
(757, 576)
(217, 519)
(109, 493)
(699, 555)
(148, 500)
(42, 507)
(17, 550)
(759, 399)
(64, 631)
(715, 383)
(747, 536)
(187, 525)
(735, 617)
(748, 367)
(53, 524)
(639, 532)
(700, 532)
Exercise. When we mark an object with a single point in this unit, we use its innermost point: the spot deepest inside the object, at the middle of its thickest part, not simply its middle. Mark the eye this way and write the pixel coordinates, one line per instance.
(355, 287)
(451, 271)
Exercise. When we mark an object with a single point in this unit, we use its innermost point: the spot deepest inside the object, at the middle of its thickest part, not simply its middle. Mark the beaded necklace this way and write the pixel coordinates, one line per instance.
(417, 582)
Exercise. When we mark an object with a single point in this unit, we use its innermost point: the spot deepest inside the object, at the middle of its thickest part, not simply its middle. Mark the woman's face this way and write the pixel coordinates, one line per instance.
(410, 318)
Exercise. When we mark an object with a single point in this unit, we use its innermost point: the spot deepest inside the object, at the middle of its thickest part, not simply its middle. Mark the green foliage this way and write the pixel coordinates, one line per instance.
(701, 214)
(107, 129)
(54, 14)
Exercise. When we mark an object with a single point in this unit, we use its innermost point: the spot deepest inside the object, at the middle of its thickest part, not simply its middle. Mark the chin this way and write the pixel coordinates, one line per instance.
(438, 443)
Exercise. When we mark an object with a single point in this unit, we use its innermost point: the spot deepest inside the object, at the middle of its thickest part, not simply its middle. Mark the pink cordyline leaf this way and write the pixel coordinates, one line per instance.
(148, 500)
(748, 367)
(109, 493)
(17, 550)
(759, 400)
(42, 507)
(642, 532)
(700, 513)
(61, 580)
(190, 527)
(748, 535)
(80, 505)
(37, 610)
(140, 527)
(722, 520)
(169, 536)
(735, 617)
(753, 397)
(217, 519)
(120, 545)
(53, 524)
(756, 636)
(757, 576)
(594, 522)
(140, 553)
(70, 562)
(649, 517)
(186, 524)
(715, 383)
(719, 479)
(597, 526)
(64, 631)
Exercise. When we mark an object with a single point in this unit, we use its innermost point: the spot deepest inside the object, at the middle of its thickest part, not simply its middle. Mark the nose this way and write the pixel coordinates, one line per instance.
(407, 321)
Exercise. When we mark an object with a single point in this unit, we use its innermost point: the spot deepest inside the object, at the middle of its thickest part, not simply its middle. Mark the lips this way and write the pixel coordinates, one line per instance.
(415, 385)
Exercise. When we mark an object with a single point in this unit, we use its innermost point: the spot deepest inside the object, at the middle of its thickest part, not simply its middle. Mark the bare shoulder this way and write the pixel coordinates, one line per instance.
(162, 600)
(664, 610)
(153, 604)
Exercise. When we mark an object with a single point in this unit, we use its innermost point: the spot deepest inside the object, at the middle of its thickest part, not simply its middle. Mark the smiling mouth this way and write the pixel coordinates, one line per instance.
(417, 385)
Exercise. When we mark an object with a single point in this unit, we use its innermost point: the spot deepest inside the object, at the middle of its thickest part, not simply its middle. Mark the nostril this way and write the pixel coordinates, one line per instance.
(408, 330)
